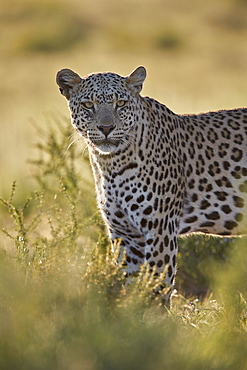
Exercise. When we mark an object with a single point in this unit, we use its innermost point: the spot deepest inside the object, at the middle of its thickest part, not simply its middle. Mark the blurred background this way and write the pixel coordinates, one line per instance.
(195, 53)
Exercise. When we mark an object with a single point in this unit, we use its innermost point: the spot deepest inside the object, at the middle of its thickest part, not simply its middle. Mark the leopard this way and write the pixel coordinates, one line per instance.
(158, 175)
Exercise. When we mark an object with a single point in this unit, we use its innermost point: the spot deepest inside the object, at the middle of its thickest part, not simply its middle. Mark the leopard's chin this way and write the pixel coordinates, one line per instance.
(107, 147)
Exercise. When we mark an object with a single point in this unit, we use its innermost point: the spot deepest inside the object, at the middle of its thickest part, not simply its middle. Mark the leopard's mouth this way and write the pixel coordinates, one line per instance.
(107, 145)
(108, 142)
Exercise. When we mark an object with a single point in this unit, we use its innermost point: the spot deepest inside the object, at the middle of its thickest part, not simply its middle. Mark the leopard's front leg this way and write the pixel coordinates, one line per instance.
(156, 249)
(148, 229)
(161, 254)
(132, 250)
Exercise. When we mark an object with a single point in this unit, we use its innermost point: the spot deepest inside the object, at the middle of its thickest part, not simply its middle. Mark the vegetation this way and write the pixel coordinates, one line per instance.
(64, 302)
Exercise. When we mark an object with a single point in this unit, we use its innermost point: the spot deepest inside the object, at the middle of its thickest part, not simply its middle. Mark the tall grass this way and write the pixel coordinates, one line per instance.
(65, 302)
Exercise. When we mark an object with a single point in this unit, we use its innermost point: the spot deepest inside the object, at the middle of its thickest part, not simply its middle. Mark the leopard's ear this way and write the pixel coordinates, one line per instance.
(67, 80)
(136, 79)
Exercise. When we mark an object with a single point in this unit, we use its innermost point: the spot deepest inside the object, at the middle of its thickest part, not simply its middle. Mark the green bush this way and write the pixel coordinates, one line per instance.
(169, 40)
(195, 257)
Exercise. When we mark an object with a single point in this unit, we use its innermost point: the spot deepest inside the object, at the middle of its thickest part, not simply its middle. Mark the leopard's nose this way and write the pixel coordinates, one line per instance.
(106, 130)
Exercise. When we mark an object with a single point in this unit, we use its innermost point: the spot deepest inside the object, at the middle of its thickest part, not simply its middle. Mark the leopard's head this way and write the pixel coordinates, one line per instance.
(103, 106)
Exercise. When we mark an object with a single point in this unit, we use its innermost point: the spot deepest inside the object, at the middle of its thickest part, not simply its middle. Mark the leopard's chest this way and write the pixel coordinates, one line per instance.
(124, 197)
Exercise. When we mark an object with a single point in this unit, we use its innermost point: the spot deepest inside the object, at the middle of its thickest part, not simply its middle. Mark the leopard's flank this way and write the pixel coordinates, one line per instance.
(158, 175)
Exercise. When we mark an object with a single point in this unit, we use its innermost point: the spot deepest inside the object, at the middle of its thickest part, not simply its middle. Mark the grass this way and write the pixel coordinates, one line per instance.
(64, 303)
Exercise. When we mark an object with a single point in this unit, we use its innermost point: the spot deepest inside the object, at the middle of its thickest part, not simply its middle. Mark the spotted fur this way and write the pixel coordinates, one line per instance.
(158, 174)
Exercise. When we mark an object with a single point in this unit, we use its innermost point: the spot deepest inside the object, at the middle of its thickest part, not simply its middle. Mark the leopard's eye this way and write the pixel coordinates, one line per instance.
(120, 103)
(88, 104)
